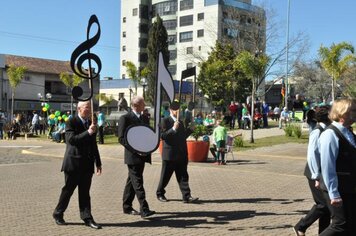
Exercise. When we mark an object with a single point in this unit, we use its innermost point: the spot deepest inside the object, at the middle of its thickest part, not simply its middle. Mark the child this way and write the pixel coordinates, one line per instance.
(219, 135)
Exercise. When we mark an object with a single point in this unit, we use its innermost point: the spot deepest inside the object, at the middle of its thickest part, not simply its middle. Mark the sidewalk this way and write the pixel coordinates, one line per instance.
(263, 192)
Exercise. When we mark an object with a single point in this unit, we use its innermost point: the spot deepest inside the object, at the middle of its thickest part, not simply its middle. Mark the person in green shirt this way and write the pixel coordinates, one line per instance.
(219, 135)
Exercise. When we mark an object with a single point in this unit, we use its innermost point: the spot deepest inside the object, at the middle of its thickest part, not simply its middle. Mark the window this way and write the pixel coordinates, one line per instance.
(123, 62)
(123, 76)
(186, 36)
(199, 48)
(123, 19)
(172, 55)
(172, 39)
(189, 65)
(143, 57)
(200, 33)
(186, 4)
(200, 16)
(165, 8)
(170, 24)
(189, 50)
(134, 12)
(124, 34)
(186, 20)
(172, 69)
(123, 48)
(144, 28)
(143, 43)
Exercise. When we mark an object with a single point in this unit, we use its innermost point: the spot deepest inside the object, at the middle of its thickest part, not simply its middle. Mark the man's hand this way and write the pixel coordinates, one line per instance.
(92, 129)
(337, 202)
(317, 184)
(98, 170)
(176, 125)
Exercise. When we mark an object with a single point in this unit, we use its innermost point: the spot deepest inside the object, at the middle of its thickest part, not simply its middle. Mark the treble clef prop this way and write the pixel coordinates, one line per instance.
(143, 138)
(80, 55)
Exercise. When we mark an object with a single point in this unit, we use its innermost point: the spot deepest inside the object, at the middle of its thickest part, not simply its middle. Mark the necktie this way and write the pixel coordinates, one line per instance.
(86, 124)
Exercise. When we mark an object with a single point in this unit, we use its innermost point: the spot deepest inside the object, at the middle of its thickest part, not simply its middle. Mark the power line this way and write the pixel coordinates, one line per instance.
(46, 39)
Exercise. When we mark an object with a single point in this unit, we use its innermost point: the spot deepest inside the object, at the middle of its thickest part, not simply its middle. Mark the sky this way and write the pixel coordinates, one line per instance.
(52, 29)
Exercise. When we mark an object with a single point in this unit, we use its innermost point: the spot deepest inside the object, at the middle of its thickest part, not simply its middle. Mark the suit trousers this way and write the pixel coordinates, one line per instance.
(72, 180)
(134, 186)
(101, 134)
(318, 211)
(180, 170)
(343, 218)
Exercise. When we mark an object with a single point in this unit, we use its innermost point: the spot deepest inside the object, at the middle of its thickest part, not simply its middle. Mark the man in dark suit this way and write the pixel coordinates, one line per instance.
(174, 155)
(78, 165)
(135, 161)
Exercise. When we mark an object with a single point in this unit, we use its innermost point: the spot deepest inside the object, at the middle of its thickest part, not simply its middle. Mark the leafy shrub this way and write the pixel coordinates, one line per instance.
(297, 131)
(238, 142)
(288, 130)
(199, 131)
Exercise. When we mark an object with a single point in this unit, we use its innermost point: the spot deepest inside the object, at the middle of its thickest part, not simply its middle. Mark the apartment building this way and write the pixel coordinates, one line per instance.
(193, 27)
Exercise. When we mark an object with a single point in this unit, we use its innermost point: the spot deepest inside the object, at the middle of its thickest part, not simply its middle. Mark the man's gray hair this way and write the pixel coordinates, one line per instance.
(136, 100)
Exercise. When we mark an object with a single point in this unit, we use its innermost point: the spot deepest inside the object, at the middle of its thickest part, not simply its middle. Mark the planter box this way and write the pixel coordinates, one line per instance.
(197, 150)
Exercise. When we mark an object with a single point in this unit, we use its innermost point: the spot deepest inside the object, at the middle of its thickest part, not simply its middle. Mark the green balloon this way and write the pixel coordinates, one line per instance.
(47, 106)
(57, 113)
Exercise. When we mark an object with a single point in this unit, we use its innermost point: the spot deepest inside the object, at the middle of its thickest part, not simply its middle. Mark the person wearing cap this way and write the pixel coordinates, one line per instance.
(284, 117)
(175, 155)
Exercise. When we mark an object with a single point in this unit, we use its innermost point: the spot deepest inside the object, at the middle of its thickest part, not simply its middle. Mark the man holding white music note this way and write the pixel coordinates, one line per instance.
(175, 155)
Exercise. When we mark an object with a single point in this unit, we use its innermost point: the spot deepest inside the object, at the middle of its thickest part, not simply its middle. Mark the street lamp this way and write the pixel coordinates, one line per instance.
(144, 85)
(130, 89)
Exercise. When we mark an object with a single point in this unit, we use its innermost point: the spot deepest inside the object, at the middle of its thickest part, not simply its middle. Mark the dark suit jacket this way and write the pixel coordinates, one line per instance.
(174, 142)
(81, 150)
(132, 157)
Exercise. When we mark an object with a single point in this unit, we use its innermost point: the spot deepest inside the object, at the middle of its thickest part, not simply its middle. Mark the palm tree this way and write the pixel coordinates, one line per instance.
(336, 61)
(15, 75)
(105, 99)
(133, 74)
(70, 82)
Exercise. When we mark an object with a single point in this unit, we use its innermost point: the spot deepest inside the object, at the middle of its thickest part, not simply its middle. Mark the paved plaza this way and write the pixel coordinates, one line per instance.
(262, 192)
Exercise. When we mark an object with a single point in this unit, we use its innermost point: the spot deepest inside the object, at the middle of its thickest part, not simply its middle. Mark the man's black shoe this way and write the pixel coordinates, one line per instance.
(190, 199)
(131, 212)
(162, 198)
(60, 221)
(147, 213)
(91, 223)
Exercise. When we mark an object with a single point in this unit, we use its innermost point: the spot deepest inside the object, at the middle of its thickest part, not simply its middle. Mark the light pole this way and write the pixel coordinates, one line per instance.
(287, 50)
(144, 85)
(130, 89)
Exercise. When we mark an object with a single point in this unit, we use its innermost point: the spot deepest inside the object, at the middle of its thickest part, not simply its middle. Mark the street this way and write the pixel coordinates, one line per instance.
(263, 192)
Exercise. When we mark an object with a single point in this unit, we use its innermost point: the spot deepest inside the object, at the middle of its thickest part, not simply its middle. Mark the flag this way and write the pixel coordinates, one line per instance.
(283, 89)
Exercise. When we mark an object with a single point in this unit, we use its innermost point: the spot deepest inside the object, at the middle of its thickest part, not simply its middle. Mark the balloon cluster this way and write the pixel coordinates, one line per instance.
(45, 107)
(57, 116)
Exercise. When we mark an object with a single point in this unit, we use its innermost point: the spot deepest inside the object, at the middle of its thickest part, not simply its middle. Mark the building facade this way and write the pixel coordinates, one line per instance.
(193, 27)
(42, 77)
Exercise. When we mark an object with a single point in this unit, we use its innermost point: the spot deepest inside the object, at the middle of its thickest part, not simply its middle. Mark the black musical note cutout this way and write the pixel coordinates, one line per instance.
(143, 138)
(80, 55)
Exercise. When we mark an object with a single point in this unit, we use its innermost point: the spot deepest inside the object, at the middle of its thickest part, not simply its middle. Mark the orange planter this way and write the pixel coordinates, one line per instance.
(197, 150)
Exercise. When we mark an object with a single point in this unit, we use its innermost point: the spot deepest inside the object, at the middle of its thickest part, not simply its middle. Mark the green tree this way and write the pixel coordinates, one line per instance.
(70, 81)
(336, 60)
(15, 75)
(218, 79)
(157, 41)
(254, 67)
(105, 99)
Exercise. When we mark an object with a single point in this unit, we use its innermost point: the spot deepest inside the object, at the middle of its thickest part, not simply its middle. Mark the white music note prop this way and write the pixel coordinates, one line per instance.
(143, 138)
